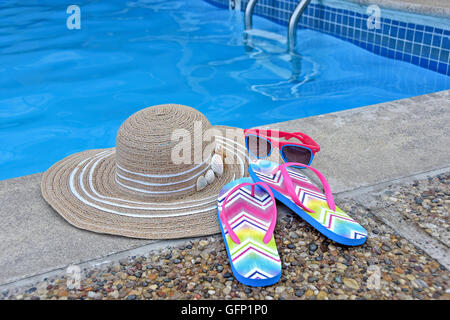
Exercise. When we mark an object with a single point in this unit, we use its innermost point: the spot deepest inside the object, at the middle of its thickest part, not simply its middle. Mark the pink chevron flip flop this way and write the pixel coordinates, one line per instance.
(247, 217)
(297, 192)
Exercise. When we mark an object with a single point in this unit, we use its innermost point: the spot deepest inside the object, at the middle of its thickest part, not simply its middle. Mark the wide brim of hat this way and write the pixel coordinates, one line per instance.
(83, 190)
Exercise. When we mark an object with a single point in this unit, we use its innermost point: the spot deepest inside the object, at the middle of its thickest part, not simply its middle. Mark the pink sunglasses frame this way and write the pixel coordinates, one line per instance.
(306, 141)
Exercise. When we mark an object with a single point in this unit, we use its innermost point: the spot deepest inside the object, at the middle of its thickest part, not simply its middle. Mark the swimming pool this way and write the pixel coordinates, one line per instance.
(63, 91)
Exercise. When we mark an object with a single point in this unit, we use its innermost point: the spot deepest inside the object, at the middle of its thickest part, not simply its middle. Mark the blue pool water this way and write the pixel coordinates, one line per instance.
(63, 91)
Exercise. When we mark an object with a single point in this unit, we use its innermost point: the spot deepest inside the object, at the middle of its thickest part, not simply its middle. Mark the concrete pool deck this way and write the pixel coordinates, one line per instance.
(363, 150)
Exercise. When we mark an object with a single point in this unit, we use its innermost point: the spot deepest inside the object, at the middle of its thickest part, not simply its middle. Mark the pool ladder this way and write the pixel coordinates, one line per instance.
(293, 20)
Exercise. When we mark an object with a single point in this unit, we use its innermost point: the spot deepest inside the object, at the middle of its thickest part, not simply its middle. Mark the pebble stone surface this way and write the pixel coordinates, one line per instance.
(426, 203)
(385, 267)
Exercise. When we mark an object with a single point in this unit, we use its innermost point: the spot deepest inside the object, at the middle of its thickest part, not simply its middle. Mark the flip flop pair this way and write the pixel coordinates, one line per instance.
(247, 217)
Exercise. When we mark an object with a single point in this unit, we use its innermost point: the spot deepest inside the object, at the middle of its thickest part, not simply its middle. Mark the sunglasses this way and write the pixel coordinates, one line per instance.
(260, 144)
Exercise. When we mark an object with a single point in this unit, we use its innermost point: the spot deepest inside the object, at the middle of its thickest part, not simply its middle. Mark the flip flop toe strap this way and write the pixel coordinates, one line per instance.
(290, 186)
(224, 219)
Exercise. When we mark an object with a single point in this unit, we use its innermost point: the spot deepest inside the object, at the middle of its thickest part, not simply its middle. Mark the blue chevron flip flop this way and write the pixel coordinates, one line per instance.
(247, 217)
(298, 193)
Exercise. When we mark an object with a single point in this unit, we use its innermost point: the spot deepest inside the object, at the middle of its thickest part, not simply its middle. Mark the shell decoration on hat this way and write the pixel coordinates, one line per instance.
(216, 169)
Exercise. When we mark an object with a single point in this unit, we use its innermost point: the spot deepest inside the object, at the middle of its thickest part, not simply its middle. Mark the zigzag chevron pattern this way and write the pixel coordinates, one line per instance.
(337, 222)
(255, 273)
(250, 217)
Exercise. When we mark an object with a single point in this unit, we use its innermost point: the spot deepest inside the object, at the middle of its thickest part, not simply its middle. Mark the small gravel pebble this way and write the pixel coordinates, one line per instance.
(299, 293)
(313, 247)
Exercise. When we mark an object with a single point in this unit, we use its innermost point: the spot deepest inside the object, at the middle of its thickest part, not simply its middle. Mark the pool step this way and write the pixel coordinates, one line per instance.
(293, 20)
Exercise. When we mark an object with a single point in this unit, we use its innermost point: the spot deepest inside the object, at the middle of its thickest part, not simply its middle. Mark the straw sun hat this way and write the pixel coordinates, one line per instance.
(140, 188)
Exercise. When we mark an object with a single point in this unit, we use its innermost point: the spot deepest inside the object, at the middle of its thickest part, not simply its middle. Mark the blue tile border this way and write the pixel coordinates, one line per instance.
(423, 45)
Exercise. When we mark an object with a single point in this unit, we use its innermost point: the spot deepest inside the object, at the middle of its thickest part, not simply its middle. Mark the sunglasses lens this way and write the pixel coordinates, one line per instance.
(297, 154)
(259, 147)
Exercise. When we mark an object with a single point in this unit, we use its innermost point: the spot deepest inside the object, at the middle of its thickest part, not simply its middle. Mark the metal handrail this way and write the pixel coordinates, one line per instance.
(292, 33)
(293, 22)
(248, 21)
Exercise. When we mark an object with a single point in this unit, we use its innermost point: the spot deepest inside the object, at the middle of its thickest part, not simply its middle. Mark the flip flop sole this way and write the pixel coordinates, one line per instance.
(337, 226)
(253, 262)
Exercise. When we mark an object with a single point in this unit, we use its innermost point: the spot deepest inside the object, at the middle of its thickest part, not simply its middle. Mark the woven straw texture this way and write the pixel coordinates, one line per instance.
(135, 190)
